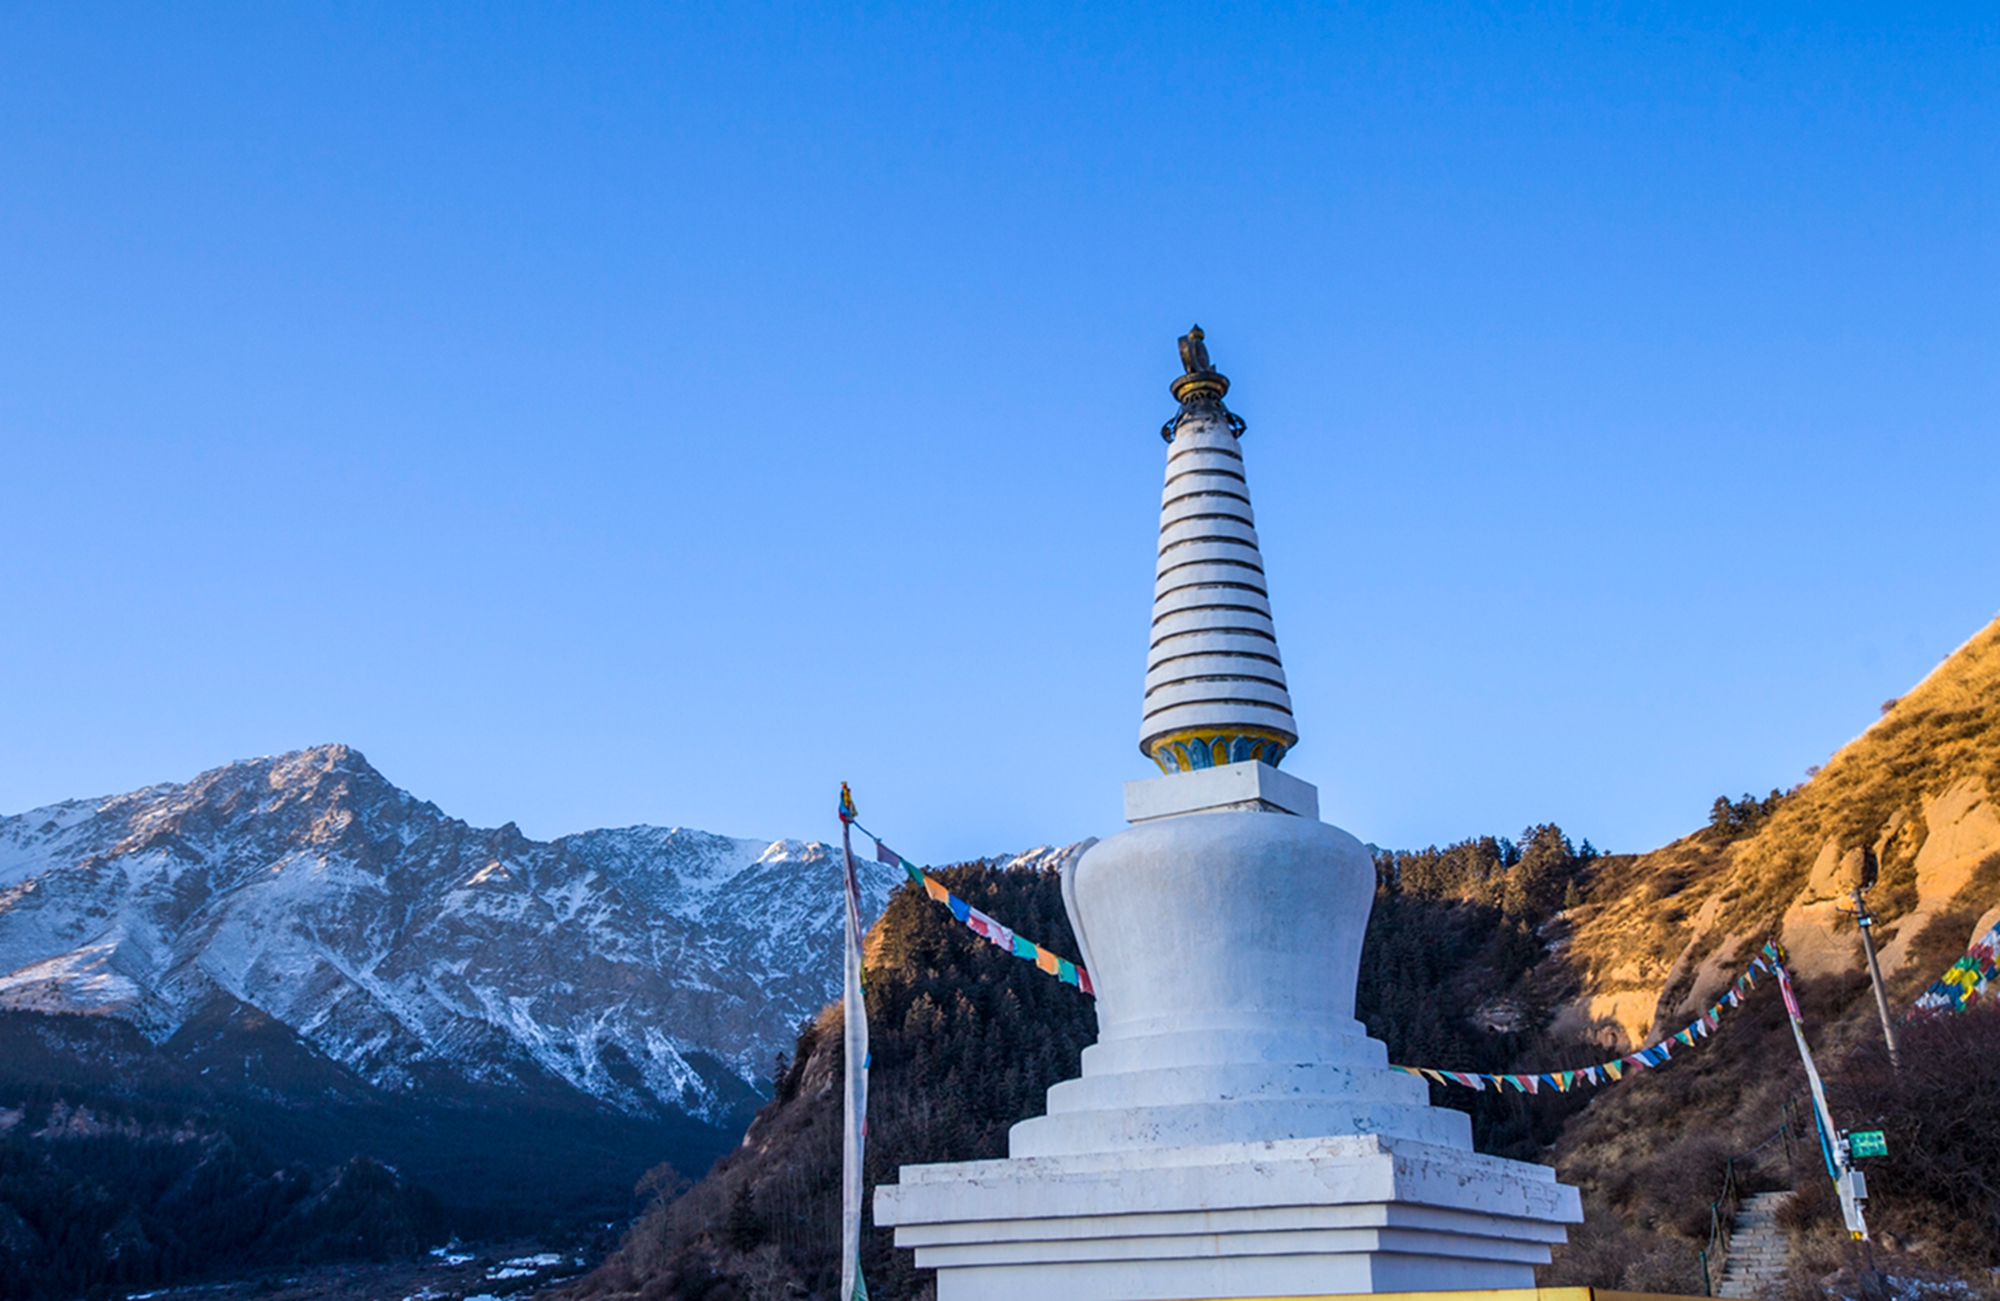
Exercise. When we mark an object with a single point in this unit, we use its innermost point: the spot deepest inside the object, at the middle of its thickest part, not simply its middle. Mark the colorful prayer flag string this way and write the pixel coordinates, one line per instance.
(1764, 964)
(1969, 979)
(978, 922)
(1979, 965)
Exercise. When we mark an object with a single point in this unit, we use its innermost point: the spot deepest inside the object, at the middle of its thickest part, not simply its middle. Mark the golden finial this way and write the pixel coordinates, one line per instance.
(1199, 378)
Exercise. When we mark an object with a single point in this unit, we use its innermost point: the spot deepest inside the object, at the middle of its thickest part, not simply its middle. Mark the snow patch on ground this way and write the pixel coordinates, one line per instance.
(78, 981)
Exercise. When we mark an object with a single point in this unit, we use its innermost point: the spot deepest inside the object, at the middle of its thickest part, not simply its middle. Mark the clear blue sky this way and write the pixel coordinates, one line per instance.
(602, 415)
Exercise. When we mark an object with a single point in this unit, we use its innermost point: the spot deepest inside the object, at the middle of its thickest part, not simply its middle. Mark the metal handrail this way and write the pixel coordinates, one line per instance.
(1720, 1223)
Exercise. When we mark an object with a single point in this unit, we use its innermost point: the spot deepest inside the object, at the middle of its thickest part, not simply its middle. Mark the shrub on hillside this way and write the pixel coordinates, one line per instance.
(1938, 1189)
(1606, 1251)
(966, 1040)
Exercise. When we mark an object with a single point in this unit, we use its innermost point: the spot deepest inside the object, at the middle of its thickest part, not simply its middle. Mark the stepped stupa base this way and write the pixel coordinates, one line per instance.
(1290, 1218)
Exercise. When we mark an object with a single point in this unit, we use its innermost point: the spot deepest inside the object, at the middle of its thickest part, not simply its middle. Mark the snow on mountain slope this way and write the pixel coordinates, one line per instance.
(654, 969)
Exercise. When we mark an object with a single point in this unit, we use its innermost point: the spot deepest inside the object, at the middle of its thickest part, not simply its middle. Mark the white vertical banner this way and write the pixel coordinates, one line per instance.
(854, 1012)
(1846, 1180)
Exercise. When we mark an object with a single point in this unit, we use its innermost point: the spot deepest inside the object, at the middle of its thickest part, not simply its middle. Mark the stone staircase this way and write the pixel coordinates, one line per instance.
(1758, 1253)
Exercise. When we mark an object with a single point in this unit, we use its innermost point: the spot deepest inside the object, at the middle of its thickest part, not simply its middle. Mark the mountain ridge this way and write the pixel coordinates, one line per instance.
(651, 969)
(1912, 804)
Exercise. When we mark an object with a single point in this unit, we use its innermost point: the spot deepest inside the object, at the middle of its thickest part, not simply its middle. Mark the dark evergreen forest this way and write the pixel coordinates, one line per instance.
(126, 1165)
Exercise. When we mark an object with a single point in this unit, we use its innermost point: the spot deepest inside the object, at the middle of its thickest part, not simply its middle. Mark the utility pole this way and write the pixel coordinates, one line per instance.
(1866, 921)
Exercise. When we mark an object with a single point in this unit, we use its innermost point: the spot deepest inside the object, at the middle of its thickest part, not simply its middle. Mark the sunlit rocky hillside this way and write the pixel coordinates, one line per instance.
(1910, 803)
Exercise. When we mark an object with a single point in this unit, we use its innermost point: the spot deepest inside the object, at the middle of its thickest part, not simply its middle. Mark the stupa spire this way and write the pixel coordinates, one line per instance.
(1215, 687)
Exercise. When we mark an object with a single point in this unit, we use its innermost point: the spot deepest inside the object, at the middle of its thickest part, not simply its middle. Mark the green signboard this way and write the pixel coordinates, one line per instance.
(1867, 1142)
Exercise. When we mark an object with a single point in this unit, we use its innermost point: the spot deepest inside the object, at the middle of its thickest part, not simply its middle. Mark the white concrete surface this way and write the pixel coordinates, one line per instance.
(1247, 787)
(1338, 1214)
(1243, 922)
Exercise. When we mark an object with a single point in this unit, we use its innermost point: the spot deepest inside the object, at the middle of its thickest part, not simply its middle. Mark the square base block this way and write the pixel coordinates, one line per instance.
(1298, 1217)
(1248, 787)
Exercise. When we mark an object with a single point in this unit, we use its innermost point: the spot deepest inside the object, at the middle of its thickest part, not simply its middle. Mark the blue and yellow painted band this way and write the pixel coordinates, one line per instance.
(1209, 747)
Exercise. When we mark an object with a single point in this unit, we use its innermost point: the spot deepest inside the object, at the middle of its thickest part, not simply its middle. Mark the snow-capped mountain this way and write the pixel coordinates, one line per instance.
(657, 970)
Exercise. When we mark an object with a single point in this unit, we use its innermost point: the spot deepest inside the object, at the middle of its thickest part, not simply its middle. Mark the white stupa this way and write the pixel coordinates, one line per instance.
(1234, 1133)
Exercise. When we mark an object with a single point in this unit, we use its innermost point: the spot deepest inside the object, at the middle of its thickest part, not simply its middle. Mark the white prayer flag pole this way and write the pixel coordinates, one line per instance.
(854, 1013)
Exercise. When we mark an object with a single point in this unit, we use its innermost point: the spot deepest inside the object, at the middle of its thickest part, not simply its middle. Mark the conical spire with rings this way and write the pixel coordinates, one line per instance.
(1215, 688)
